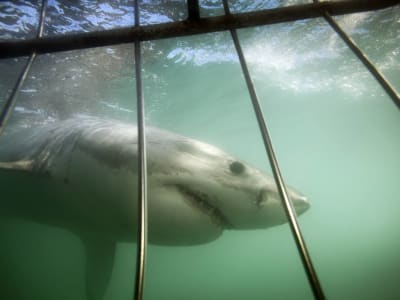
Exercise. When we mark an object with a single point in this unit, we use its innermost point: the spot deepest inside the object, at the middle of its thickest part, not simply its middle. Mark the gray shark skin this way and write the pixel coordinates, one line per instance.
(81, 175)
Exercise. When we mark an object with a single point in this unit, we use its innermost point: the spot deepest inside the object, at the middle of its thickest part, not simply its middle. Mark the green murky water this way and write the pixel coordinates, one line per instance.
(336, 135)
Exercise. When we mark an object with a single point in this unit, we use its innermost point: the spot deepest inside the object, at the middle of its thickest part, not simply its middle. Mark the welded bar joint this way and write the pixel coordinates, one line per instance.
(12, 99)
(67, 42)
(142, 172)
(286, 201)
(389, 89)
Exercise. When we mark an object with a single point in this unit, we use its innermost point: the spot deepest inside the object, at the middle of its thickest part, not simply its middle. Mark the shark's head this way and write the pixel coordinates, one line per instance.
(210, 190)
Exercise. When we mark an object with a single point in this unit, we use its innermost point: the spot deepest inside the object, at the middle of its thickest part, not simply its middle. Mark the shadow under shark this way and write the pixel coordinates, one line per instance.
(81, 175)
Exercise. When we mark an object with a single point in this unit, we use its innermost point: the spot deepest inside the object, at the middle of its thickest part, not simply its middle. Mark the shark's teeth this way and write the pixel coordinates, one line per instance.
(202, 202)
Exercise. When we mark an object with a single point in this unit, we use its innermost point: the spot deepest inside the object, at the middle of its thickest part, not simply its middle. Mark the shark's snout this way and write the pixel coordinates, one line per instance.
(301, 204)
(265, 197)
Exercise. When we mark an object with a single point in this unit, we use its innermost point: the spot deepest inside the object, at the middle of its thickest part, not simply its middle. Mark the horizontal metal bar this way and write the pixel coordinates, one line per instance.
(390, 90)
(188, 27)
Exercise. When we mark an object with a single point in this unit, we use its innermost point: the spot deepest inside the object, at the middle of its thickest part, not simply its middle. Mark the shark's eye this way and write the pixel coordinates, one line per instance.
(237, 167)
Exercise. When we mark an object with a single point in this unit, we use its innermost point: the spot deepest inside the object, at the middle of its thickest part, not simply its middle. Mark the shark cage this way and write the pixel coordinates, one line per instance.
(230, 18)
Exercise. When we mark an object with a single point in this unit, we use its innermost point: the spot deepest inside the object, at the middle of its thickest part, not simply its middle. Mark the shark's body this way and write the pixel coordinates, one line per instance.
(81, 175)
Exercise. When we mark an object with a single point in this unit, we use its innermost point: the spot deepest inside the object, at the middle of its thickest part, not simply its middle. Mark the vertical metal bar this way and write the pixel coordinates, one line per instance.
(193, 9)
(12, 99)
(142, 173)
(286, 201)
(389, 89)
(42, 18)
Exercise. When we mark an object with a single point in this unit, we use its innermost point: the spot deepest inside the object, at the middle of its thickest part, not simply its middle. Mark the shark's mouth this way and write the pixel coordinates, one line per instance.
(201, 201)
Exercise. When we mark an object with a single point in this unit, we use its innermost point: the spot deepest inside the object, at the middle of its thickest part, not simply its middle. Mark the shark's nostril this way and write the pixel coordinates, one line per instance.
(262, 198)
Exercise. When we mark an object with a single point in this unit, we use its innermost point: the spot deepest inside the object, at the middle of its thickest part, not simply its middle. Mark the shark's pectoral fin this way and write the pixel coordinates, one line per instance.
(99, 264)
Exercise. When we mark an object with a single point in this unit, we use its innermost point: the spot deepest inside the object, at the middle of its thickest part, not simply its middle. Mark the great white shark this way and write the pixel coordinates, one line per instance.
(81, 175)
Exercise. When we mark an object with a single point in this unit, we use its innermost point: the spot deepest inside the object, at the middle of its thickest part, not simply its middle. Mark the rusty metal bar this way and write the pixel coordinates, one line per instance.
(286, 201)
(188, 27)
(12, 99)
(142, 172)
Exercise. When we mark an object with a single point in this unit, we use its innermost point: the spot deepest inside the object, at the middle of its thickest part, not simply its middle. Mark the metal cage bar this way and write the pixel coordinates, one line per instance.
(142, 172)
(12, 99)
(389, 89)
(196, 25)
(286, 201)
(187, 27)
(193, 9)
